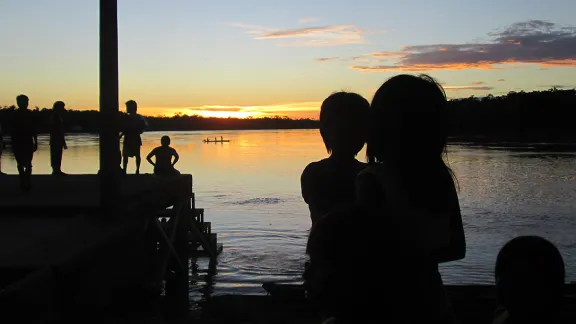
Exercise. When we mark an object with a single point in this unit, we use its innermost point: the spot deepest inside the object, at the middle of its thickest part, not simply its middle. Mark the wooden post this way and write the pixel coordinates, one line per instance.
(109, 141)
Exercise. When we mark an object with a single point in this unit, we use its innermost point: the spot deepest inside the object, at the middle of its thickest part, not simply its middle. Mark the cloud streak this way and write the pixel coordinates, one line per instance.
(333, 35)
(530, 42)
(467, 88)
(308, 20)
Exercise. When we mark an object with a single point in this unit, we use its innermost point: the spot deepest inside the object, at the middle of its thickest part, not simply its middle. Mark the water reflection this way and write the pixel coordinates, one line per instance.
(251, 192)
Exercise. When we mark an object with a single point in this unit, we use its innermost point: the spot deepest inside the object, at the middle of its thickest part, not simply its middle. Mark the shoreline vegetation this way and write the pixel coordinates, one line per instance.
(539, 116)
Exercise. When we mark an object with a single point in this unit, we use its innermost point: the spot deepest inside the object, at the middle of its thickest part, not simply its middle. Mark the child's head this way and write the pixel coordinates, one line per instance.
(529, 276)
(22, 101)
(343, 123)
(407, 116)
(59, 106)
(131, 106)
(165, 140)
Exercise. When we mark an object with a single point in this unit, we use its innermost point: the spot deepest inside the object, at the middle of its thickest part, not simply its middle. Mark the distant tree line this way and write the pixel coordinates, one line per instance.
(517, 116)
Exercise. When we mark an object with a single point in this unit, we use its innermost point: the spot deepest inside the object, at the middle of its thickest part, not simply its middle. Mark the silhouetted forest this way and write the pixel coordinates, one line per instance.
(517, 116)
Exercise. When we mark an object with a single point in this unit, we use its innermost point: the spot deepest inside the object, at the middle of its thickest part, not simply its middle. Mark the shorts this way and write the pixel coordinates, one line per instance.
(131, 150)
(131, 147)
(23, 153)
(166, 172)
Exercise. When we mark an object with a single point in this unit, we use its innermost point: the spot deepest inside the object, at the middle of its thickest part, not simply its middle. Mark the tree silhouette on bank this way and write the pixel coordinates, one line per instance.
(517, 116)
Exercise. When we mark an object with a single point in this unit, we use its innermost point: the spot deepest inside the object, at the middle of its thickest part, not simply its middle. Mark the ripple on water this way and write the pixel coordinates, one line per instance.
(258, 201)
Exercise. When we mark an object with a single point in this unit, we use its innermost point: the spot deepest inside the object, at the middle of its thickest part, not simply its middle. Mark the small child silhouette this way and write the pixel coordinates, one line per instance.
(330, 184)
(164, 166)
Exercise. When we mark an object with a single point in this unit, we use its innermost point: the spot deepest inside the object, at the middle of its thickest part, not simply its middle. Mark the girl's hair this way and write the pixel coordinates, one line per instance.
(408, 122)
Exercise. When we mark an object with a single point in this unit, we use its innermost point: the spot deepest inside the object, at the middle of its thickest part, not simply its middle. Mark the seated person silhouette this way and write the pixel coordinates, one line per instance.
(330, 183)
(326, 278)
(529, 281)
(164, 166)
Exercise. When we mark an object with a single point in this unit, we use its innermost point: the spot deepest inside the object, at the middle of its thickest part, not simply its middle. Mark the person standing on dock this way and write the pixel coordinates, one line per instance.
(134, 126)
(24, 140)
(330, 183)
(164, 165)
(57, 138)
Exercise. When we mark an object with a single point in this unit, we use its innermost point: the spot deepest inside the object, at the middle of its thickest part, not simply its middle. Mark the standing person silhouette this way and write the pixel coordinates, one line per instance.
(57, 138)
(134, 125)
(409, 185)
(24, 140)
(330, 183)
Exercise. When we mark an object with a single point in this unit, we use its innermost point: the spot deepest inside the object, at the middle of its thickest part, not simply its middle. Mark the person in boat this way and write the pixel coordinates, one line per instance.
(529, 277)
(325, 279)
(134, 126)
(330, 183)
(164, 165)
(408, 183)
(221, 139)
(57, 138)
(24, 140)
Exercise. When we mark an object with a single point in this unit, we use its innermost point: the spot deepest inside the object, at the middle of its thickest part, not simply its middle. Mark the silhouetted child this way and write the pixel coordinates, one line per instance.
(410, 185)
(342, 297)
(134, 125)
(330, 183)
(24, 140)
(57, 138)
(164, 165)
(529, 281)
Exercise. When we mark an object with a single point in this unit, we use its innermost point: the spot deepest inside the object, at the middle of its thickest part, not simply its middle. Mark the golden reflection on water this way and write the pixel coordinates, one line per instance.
(250, 188)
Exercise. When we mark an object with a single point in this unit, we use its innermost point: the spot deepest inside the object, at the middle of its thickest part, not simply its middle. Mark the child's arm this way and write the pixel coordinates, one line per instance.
(176, 158)
(149, 157)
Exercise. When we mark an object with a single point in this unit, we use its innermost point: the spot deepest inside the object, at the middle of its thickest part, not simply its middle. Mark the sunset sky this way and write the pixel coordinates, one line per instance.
(254, 58)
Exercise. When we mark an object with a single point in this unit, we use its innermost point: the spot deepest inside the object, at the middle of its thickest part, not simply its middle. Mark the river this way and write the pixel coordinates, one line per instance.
(250, 189)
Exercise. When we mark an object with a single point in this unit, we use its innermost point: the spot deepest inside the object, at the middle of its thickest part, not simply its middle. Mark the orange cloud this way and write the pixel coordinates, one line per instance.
(293, 110)
(548, 45)
(425, 67)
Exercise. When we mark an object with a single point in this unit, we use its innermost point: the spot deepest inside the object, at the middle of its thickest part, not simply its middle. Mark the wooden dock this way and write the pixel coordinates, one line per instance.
(66, 250)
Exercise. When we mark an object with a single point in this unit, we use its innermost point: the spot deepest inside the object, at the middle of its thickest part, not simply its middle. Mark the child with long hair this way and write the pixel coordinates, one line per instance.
(408, 184)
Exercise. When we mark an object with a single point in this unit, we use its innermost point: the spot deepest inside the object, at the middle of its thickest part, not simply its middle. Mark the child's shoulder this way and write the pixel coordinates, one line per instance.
(313, 168)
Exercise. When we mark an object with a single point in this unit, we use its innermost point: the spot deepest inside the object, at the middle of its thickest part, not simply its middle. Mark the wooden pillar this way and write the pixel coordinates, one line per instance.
(109, 141)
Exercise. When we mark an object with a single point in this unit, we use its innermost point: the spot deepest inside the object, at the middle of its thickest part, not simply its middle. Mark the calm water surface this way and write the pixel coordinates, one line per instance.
(251, 192)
